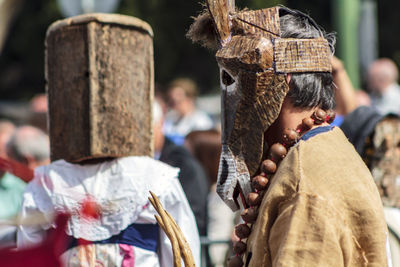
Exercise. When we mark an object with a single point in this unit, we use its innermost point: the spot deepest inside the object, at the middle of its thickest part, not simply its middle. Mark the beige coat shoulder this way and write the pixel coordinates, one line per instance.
(322, 209)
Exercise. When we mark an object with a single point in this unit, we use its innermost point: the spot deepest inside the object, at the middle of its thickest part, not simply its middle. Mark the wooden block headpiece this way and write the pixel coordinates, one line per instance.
(99, 73)
(253, 61)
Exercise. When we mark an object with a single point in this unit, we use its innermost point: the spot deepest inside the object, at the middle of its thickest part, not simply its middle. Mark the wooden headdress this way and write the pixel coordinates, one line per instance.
(253, 61)
(99, 74)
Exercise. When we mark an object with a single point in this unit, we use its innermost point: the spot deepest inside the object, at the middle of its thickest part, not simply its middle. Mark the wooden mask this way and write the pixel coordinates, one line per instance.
(253, 61)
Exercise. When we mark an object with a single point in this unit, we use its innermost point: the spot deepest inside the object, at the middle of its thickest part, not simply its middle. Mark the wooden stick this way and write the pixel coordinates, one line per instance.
(175, 249)
(167, 229)
(33, 219)
(184, 247)
(186, 252)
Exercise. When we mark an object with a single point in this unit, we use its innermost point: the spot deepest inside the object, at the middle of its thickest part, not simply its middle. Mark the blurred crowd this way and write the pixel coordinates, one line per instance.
(188, 138)
(23, 147)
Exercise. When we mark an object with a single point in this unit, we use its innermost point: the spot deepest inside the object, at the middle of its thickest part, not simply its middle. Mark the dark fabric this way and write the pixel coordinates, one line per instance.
(143, 236)
(316, 131)
(360, 124)
(193, 180)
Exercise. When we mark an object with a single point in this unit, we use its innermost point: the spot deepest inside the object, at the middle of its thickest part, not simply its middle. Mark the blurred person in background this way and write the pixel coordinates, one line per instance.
(38, 116)
(206, 148)
(11, 187)
(385, 91)
(362, 98)
(376, 138)
(344, 93)
(191, 176)
(183, 116)
(347, 97)
(29, 146)
(6, 130)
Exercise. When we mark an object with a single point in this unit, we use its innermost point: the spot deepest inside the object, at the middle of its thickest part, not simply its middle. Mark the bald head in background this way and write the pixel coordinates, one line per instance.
(382, 82)
(382, 73)
(30, 146)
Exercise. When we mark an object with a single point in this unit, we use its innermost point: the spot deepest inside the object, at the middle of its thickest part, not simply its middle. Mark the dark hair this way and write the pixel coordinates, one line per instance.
(205, 146)
(307, 90)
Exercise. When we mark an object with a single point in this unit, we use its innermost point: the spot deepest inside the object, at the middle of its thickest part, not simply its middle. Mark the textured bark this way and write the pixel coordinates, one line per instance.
(264, 22)
(260, 105)
(251, 53)
(219, 10)
(99, 73)
(302, 55)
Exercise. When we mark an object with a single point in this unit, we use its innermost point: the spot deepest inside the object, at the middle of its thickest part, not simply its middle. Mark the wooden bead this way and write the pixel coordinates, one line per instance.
(239, 247)
(259, 182)
(235, 261)
(308, 123)
(254, 199)
(242, 231)
(290, 136)
(278, 151)
(268, 166)
(319, 116)
(249, 215)
(331, 116)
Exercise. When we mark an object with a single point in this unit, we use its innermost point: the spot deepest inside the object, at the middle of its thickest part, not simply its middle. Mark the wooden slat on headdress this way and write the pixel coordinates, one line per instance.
(302, 55)
(219, 10)
(252, 53)
(264, 21)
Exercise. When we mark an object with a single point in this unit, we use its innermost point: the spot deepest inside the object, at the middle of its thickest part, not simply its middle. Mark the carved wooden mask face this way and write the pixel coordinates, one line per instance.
(252, 95)
(253, 61)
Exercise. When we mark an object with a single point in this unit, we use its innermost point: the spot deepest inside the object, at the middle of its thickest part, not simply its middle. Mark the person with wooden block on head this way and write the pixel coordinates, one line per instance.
(99, 73)
(307, 199)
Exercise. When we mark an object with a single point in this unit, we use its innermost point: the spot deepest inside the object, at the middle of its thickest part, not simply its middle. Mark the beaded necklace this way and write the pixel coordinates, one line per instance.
(260, 182)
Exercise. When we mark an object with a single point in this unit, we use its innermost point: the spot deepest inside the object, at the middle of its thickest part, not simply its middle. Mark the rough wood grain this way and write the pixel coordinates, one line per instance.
(264, 22)
(260, 105)
(179, 243)
(100, 85)
(219, 13)
(251, 53)
(302, 55)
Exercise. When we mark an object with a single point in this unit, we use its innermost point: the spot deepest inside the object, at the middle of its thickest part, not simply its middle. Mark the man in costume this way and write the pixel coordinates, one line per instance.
(99, 71)
(307, 197)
